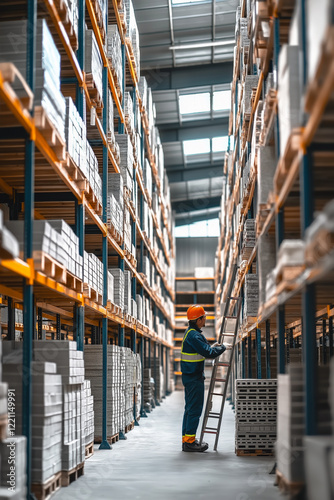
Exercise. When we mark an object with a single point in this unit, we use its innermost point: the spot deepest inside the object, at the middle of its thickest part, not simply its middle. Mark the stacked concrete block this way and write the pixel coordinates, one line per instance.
(126, 159)
(249, 238)
(75, 134)
(88, 412)
(251, 301)
(116, 188)
(267, 262)
(13, 477)
(256, 411)
(70, 364)
(68, 247)
(128, 360)
(93, 174)
(148, 383)
(290, 446)
(93, 272)
(142, 87)
(93, 62)
(9, 246)
(250, 83)
(110, 294)
(128, 113)
(133, 32)
(138, 385)
(114, 53)
(47, 71)
(323, 223)
(289, 97)
(139, 300)
(127, 292)
(114, 214)
(119, 283)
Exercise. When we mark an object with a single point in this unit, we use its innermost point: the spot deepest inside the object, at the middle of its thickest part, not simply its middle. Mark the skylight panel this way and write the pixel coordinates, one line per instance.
(194, 103)
(219, 144)
(196, 147)
(178, 2)
(221, 100)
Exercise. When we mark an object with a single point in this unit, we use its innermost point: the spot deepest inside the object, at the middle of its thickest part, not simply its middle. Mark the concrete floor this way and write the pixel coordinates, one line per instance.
(150, 465)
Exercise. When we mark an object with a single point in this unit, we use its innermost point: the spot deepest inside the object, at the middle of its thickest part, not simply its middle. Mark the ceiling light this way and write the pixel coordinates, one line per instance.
(201, 45)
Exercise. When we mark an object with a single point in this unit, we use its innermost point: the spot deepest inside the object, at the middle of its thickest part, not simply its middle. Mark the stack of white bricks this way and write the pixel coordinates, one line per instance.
(118, 275)
(75, 134)
(127, 160)
(88, 412)
(93, 272)
(114, 53)
(251, 302)
(255, 416)
(13, 471)
(93, 61)
(93, 174)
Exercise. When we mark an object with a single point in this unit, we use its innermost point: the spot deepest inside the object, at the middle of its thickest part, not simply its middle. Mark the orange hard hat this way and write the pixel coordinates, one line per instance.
(195, 312)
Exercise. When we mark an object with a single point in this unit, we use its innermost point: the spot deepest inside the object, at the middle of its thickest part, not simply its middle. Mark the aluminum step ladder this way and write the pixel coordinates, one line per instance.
(228, 333)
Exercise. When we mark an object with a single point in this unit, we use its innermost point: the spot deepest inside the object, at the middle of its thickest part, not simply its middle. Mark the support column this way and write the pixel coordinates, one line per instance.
(11, 320)
(243, 358)
(324, 341)
(330, 336)
(249, 354)
(58, 327)
(268, 367)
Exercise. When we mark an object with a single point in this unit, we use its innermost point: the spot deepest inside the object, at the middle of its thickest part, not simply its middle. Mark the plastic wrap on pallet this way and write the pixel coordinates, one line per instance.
(93, 62)
(289, 96)
(291, 253)
(148, 177)
(114, 53)
(319, 17)
(9, 245)
(139, 300)
(88, 412)
(13, 48)
(127, 230)
(266, 167)
(250, 83)
(75, 134)
(127, 292)
(110, 294)
(114, 214)
(110, 123)
(116, 187)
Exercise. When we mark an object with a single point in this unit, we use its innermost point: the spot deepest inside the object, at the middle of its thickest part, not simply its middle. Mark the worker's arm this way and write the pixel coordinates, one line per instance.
(203, 348)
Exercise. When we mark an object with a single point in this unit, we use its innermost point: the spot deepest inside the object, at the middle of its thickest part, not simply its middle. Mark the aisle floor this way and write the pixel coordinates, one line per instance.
(150, 465)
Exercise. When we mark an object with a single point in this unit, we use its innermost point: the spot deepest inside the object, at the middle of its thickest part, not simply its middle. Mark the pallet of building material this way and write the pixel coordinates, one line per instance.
(69, 20)
(288, 157)
(45, 264)
(291, 488)
(75, 172)
(67, 477)
(129, 427)
(111, 439)
(319, 247)
(250, 452)
(100, 16)
(13, 79)
(46, 490)
(89, 450)
(73, 282)
(93, 200)
(48, 130)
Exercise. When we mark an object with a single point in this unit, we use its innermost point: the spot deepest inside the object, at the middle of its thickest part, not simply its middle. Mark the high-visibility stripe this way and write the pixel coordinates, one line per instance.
(190, 357)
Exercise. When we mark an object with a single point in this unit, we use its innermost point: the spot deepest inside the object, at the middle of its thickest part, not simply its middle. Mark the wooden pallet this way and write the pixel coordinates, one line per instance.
(49, 266)
(89, 450)
(92, 294)
(73, 282)
(111, 439)
(293, 489)
(3, 427)
(93, 199)
(94, 94)
(129, 427)
(67, 477)
(289, 273)
(99, 18)
(10, 74)
(46, 490)
(320, 246)
(75, 173)
(49, 132)
(63, 13)
(254, 453)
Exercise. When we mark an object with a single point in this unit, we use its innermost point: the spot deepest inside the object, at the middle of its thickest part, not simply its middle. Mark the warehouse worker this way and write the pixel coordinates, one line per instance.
(195, 348)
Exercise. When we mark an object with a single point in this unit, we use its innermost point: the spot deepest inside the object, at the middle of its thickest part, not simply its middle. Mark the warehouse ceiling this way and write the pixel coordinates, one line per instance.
(186, 56)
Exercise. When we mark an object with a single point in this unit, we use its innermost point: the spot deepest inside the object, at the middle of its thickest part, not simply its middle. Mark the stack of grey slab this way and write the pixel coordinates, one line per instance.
(127, 229)
(134, 312)
(266, 264)
(13, 48)
(290, 447)
(289, 96)
(114, 53)
(255, 416)
(53, 237)
(114, 214)
(119, 284)
(249, 238)
(142, 87)
(93, 272)
(148, 395)
(75, 133)
(13, 481)
(93, 61)
(130, 383)
(266, 167)
(47, 410)
(88, 412)
(93, 174)
(133, 32)
(9, 246)
(127, 292)
(93, 372)
(251, 297)
(70, 364)
(126, 159)
(128, 113)
(147, 269)
(110, 294)
(122, 390)
(250, 83)
(139, 300)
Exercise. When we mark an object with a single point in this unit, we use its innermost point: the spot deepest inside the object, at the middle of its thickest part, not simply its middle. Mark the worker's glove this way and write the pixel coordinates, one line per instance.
(216, 344)
(228, 346)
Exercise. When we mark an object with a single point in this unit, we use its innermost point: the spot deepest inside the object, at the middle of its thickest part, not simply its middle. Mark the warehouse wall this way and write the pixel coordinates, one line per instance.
(194, 252)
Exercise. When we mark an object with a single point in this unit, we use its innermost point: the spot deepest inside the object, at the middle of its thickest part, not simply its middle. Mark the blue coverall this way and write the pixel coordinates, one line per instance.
(195, 346)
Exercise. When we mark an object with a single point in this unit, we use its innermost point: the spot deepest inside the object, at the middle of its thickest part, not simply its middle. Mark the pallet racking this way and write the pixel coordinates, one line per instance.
(37, 171)
(299, 312)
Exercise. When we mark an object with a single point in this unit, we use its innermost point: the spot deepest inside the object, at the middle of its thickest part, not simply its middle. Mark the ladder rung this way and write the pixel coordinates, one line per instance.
(211, 429)
(216, 394)
(213, 416)
(230, 317)
(226, 334)
(209, 432)
(214, 413)
(220, 379)
(222, 363)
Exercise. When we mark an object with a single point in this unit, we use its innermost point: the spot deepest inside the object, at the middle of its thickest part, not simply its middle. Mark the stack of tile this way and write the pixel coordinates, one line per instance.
(132, 32)
(93, 174)
(134, 312)
(129, 115)
(127, 292)
(129, 361)
(93, 63)
(291, 419)
(75, 134)
(13, 480)
(127, 230)
(88, 412)
(142, 87)
(148, 395)
(249, 238)
(47, 73)
(55, 238)
(140, 308)
(114, 53)
(93, 371)
(267, 262)
(47, 410)
(70, 365)
(114, 214)
(256, 410)
(289, 98)
(266, 166)
(110, 293)
(251, 302)
(93, 272)
(118, 275)
(126, 159)
(9, 246)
